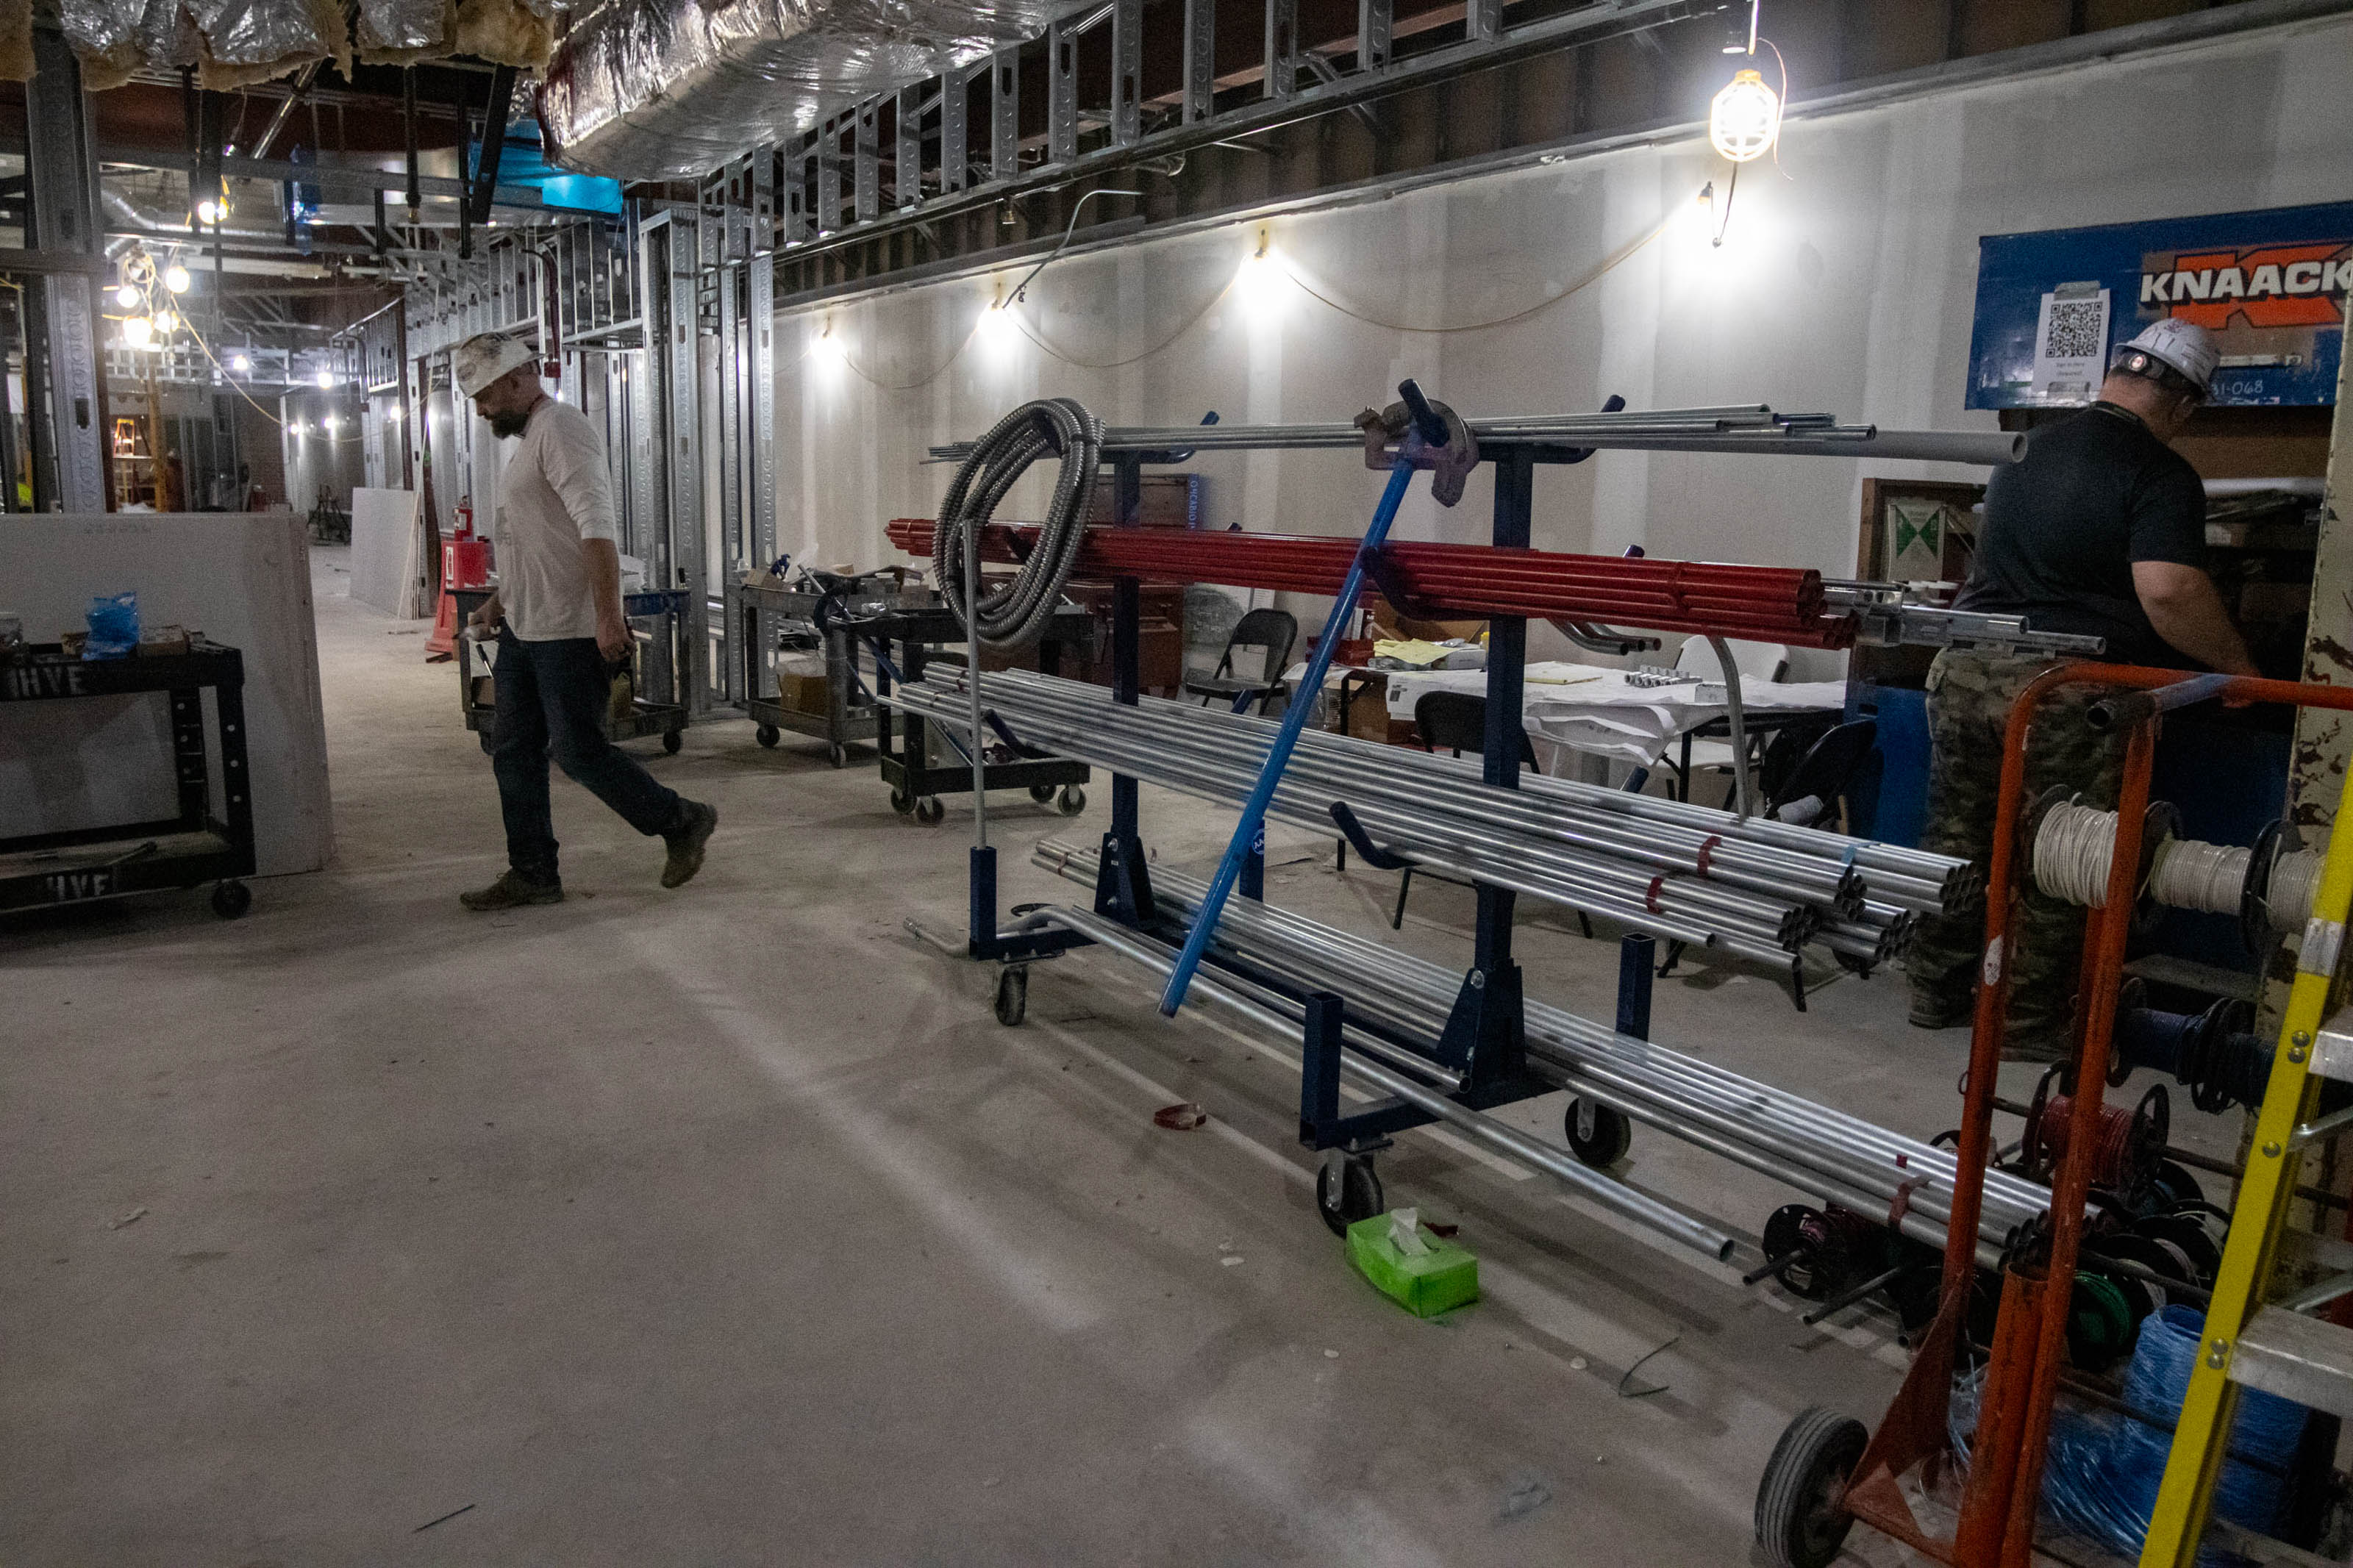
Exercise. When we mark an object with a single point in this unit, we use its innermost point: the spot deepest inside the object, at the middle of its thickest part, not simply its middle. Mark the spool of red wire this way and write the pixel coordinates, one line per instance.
(2128, 1145)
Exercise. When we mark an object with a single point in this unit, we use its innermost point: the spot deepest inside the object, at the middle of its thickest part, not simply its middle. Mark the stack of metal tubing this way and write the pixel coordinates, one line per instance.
(1834, 1157)
(1748, 886)
(1761, 603)
(1747, 428)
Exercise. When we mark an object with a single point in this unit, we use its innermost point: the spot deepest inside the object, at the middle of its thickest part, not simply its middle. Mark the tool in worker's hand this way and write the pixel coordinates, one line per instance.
(1428, 442)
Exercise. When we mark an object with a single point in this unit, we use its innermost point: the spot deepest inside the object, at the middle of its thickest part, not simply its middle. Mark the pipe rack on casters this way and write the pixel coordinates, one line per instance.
(1452, 1048)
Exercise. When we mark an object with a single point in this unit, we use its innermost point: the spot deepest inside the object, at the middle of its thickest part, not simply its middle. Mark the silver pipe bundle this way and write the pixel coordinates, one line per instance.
(1839, 1158)
(1700, 877)
(1752, 429)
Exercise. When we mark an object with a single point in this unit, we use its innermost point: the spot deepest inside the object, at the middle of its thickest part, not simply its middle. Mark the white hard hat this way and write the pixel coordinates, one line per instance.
(2182, 347)
(486, 356)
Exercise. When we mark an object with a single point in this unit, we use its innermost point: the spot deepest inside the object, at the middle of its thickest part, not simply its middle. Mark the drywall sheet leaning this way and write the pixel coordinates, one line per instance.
(387, 552)
(240, 578)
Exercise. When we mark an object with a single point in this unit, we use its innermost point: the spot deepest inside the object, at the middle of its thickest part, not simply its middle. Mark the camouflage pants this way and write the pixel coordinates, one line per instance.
(1969, 698)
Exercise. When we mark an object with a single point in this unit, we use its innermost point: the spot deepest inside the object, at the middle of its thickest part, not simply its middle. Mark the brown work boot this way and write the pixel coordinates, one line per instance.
(512, 890)
(686, 843)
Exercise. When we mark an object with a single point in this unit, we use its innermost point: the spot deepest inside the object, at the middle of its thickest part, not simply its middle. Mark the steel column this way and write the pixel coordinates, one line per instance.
(1062, 91)
(63, 168)
(759, 313)
(1005, 114)
(1126, 71)
(1200, 61)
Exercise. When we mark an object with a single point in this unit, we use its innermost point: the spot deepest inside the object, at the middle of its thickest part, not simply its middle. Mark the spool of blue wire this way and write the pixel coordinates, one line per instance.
(2101, 1476)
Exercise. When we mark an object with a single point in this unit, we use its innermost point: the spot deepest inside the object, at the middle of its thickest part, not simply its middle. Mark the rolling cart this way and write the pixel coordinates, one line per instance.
(82, 864)
(850, 713)
(659, 661)
(903, 739)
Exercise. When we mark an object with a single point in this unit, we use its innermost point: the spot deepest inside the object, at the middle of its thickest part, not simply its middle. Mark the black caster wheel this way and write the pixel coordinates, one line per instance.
(767, 734)
(1801, 1517)
(837, 754)
(231, 899)
(1042, 794)
(1012, 994)
(1346, 1191)
(1072, 800)
(1597, 1135)
(929, 810)
(673, 741)
(903, 803)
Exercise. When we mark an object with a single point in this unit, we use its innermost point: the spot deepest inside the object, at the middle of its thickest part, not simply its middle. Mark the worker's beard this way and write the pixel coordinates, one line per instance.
(505, 425)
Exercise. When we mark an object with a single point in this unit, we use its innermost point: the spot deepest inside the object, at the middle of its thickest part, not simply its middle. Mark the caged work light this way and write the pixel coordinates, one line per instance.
(1744, 119)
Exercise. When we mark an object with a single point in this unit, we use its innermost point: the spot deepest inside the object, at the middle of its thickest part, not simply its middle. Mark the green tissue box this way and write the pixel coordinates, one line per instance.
(1444, 1278)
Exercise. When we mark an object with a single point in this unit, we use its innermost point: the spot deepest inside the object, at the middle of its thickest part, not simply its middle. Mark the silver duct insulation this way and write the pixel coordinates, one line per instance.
(655, 90)
(236, 43)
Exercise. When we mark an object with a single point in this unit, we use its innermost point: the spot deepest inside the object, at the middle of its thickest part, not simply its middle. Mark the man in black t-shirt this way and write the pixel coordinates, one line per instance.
(2099, 530)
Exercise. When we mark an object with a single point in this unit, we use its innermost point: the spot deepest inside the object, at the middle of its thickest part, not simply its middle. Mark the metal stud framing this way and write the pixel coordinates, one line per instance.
(829, 176)
(868, 160)
(1282, 48)
(1126, 71)
(1373, 34)
(955, 131)
(907, 162)
(1005, 114)
(1200, 61)
(1062, 91)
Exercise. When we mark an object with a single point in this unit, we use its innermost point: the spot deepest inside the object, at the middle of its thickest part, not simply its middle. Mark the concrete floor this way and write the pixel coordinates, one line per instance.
(726, 1225)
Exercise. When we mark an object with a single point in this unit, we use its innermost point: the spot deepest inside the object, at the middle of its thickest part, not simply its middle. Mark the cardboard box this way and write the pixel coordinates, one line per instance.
(160, 640)
(803, 693)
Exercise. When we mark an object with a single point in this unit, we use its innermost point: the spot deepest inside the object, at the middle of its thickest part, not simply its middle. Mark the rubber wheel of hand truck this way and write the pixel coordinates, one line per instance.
(1042, 794)
(1346, 1191)
(837, 754)
(673, 741)
(1801, 1517)
(231, 898)
(767, 734)
(929, 810)
(903, 803)
(1012, 994)
(1613, 1134)
(1072, 800)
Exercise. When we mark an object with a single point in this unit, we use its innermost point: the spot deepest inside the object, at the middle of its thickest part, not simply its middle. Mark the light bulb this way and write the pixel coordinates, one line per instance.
(165, 321)
(239, 363)
(1260, 280)
(330, 424)
(137, 331)
(829, 347)
(998, 325)
(1744, 119)
(209, 212)
(176, 279)
(326, 378)
(127, 296)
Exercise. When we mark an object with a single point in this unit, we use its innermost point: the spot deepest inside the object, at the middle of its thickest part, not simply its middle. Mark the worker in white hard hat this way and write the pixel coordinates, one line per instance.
(2099, 530)
(557, 616)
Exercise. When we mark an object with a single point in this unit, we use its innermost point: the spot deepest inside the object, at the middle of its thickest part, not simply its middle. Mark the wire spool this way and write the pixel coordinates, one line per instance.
(1829, 1249)
(1015, 614)
(2074, 847)
(2128, 1146)
(2212, 1053)
(2101, 1322)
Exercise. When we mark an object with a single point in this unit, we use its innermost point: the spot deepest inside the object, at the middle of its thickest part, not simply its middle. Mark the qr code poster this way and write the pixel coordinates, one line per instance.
(2071, 343)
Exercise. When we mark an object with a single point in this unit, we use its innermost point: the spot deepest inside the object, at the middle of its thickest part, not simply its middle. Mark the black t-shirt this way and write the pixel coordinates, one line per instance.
(2063, 525)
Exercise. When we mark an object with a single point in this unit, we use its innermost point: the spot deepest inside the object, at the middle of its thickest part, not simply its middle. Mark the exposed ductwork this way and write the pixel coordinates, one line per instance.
(651, 90)
(237, 43)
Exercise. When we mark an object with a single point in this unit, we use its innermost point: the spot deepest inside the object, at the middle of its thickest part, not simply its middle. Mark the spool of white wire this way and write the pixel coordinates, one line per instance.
(2295, 878)
(2191, 874)
(2072, 852)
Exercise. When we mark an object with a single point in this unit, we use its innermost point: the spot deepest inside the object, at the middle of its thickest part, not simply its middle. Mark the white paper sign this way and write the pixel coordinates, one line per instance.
(2071, 343)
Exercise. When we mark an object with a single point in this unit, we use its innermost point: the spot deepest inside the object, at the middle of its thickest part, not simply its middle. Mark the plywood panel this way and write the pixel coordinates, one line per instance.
(242, 579)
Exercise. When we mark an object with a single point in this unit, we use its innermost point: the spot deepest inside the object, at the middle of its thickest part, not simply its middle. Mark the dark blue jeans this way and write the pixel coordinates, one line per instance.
(552, 698)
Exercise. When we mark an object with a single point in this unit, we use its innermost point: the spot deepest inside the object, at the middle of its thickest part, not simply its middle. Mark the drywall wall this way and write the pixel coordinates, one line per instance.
(241, 578)
(1844, 284)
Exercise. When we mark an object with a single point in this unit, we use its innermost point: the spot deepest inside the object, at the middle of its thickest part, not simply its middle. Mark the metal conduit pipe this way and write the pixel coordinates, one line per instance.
(1668, 847)
(1183, 748)
(1912, 878)
(1662, 1086)
(1644, 1210)
(1681, 911)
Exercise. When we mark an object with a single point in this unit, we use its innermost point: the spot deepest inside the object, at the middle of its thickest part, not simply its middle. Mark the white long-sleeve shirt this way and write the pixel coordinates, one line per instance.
(553, 494)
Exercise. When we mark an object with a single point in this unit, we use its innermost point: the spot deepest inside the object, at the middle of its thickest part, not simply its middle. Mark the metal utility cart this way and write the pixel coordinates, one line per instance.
(761, 615)
(662, 615)
(184, 851)
(904, 739)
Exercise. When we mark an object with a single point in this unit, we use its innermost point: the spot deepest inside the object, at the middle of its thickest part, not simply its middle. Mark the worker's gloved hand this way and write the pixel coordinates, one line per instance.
(1450, 465)
(484, 621)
